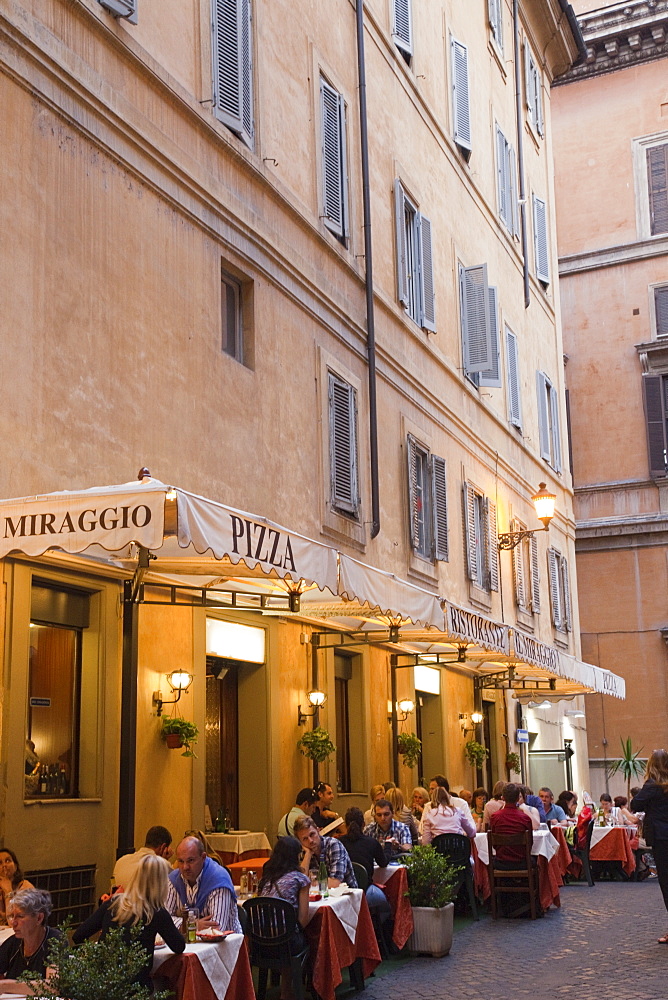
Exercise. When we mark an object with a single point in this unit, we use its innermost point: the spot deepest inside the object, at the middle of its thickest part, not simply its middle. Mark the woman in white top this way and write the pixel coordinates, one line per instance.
(443, 817)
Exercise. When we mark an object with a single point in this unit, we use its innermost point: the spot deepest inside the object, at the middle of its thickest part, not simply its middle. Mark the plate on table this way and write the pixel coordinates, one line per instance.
(340, 890)
(212, 937)
(157, 947)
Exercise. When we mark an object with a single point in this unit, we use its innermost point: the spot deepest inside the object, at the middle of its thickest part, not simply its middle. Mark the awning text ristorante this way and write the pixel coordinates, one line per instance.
(475, 629)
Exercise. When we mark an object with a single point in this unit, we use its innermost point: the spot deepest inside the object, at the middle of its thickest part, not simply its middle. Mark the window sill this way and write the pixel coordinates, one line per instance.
(422, 570)
(525, 619)
(561, 639)
(343, 529)
(497, 55)
(56, 802)
(480, 597)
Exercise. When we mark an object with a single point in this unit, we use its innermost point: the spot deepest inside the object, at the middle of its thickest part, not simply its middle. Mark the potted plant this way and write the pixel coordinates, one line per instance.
(475, 753)
(630, 765)
(316, 744)
(513, 762)
(178, 732)
(410, 748)
(432, 884)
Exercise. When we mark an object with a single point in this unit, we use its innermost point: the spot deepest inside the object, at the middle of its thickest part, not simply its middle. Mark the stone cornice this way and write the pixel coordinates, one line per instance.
(636, 531)
(621, 35)
(592, 260)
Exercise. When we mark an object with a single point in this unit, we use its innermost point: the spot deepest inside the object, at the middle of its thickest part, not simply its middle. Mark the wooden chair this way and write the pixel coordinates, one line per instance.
(583, 853)
(457, 849)
(271, 926)
(362, 878)
(521, 879)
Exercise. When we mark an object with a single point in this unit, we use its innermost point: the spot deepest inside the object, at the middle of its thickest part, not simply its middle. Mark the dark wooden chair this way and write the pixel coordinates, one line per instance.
(521, 879)
(272, 926)
(583, 853)
(457, 849)
(362, 878)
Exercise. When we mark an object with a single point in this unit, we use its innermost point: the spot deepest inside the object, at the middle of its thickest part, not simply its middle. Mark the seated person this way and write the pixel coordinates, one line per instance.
(304, 805)
(322, 813)
(510, 820)
(158, 841)
(553, 811)
(627, 818)
(363, 850)
(282, 878)
(467, 796)
(328, 849)
(494, 804)
(480, 798)
(11, 880)
(530, 811)
(535, 801)
(443, 817)
(376, 792)
(394, 837)
(569, 803)
(395, 797)
(610, 813)
(421, 798)
(441, 781)
(27, 949)
(200, 882)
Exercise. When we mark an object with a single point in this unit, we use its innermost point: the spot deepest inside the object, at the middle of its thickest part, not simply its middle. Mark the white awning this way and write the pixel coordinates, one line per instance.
(392, 596)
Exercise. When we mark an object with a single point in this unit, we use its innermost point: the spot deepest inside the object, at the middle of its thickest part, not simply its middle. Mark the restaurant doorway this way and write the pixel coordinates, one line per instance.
(222, 737)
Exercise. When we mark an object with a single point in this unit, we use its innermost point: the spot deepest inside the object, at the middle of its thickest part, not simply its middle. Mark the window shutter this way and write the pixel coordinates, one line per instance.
(653, 391)
(428, 319)
(439, 508)
(232, 66)
(567, 617)
(495, 13)
(343, 445)
(476, 326)
(556, 431)
(460, 95)
(543, 417)
(535, 576)
(502, 173)
(121, 8)
(492, 544)
(402, 28)
(413, 510)
(400, 224)
(333, 158)
(512, 170)
(657, 180)
(514, 408)
(661, 309)
(542, 257)
(518, 569)
(492, 376)
(469, 532)
(555, 593)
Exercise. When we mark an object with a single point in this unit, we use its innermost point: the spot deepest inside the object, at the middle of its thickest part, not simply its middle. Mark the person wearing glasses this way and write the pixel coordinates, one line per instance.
(652, 800)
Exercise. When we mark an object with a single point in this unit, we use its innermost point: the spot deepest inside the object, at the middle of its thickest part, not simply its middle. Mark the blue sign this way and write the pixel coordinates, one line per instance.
(522, 736)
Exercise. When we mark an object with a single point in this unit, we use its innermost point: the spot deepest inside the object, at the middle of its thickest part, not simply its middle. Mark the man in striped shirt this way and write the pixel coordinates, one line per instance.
(200, 882)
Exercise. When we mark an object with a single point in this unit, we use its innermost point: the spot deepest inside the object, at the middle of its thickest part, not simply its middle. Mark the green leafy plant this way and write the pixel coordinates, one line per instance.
(410, 748)
(475, 753)
(187, 732)
(316, 744)
(630, 765)
(513, 762)
(96, 970)
(432, 879)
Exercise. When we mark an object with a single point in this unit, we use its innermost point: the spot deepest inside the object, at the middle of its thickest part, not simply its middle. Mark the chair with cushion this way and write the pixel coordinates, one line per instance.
(457, 849)
(272, 925)
(520, 879)
(583, 854)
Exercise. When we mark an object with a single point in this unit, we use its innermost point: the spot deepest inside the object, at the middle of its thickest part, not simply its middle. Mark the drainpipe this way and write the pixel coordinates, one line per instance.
(368, 261)
(520, 151)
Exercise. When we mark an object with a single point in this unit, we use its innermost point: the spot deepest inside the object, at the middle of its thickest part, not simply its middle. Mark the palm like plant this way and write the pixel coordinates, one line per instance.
(629, 765)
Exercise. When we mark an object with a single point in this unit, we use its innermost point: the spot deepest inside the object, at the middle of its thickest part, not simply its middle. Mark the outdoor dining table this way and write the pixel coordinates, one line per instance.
(568, 865)
(204, 971)
(613, 843)
(239, 845)
(393, 880)
(340, 931)
(544, 847)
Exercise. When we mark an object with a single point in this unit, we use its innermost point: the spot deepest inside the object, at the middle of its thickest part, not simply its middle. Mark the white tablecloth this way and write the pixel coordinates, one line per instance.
(543, 843)
(238, 843)
(217, 960)
(382, 875)
(346, 909)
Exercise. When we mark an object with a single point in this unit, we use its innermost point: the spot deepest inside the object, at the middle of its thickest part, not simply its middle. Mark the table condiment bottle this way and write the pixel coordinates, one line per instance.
(191, 925)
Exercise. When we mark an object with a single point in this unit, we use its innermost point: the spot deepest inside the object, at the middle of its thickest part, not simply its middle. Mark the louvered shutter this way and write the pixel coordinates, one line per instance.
(495, 13)
(461, 112)
(661, 309)
(492, 376)
(402, 27)
(439, 508)
(232, 66)
(528, 82)
(476, 326)
(555, 591)
(535, 576)
(518, 569)
(427, 305)
(501, 173)
(492, 545)
(470, 546)
(566, 591)
(541, 251)
(543, 417)
(121, 8)
(513, 372)
(657, 180)
(556, 430)
(343, 445)
(413, 495)
(653, 398)
(400, 226)
(333, 159)
(512, 171)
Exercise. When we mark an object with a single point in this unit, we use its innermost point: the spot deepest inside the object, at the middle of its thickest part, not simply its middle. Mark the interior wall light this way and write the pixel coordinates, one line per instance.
(179, 681)
(543, 502)
(316, 700)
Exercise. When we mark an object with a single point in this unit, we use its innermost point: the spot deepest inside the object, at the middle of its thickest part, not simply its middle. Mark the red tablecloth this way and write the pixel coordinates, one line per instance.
(615, 846)
(549, 879)
(567, 863)
(229, 857)
(237, 869)
(332, 950)
(187, 978)
(395, 889)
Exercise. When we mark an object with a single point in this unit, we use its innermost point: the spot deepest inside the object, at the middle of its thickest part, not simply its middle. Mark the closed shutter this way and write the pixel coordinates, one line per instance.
(413, 495)
(343, 445)
(541, 252)
(566, 591)
(513, 372)
(535, 576)
(555, 590)
(502, 174)
(439, 508)
(121, 8)
(556, 430)
(470, 531)
(653, 398)
(476, 326)
(657, 180)
(661, 309)
(495, 13)
(512, 169)
(543, 417)
(492, 545)
(518, 569)
(333, 159)
(460, 95)
(232, 66)
(400, 227)
(428, 311)
(492, 376)
(402, 28)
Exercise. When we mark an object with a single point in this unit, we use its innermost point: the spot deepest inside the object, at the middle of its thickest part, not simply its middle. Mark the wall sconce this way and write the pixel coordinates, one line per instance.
(316, 700)
(540, 704)
(405, 707)
(574, 713)
(476, 719)
(179, 681)
(544, 502)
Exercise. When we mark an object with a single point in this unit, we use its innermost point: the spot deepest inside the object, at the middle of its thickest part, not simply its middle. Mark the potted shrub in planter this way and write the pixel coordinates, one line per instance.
(513, 762)
(178, 732)
(410, 748)
(432, 883)
(316, 744)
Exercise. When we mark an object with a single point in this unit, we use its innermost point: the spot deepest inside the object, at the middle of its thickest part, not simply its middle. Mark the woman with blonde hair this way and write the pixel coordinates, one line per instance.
(375, 792)
(652, 799)
(444, 817)
(401, 813)
(142, 902)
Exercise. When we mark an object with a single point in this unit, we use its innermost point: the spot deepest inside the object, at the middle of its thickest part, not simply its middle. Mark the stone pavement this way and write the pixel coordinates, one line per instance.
(601, 945)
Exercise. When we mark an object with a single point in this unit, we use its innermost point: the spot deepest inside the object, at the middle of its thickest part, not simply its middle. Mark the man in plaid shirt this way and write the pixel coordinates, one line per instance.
(327, 849)
(394, 837)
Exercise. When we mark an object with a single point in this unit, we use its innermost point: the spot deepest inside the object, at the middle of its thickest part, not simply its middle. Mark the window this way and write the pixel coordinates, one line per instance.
(350, 732)
(655, 397)
(480, 327)
(232, 66)
(427, 502)
(495, 14)
(343, 465)
(540, 240)
(461, 113)
(525, 571)
(506, 182)
(334, 173)
(533, 93)
(560, 595)
(415, 269)
(657, 186)
(232, 329)
(661, 310)
(121, 8)
(548, 421)
(480, 539)
(402, 27)
(513, 376)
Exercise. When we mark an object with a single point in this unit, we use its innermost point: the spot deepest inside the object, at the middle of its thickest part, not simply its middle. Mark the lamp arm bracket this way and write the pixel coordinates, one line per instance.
(511, 539)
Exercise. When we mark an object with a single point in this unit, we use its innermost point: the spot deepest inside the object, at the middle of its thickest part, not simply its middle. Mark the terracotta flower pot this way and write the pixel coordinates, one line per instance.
(173, 741)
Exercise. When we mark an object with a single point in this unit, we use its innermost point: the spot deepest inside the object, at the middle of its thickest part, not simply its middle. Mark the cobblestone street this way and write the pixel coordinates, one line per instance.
(602, 943)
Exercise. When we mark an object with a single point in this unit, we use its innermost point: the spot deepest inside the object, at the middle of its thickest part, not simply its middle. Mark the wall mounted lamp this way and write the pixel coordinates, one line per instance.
(574, 713)
(405, 707)
(540, 704)
(179, 681)
(543, 502)
(316, 700)
(476, 719)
